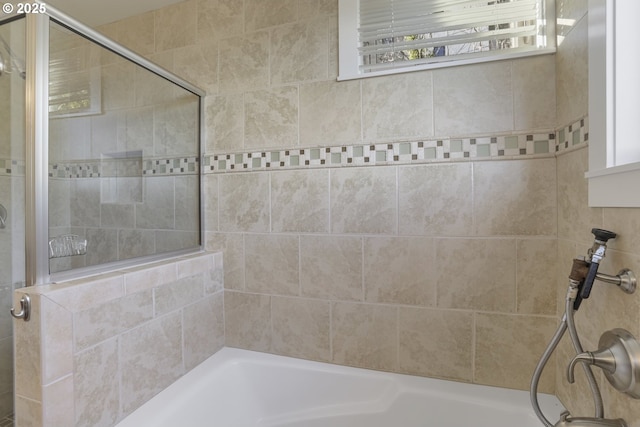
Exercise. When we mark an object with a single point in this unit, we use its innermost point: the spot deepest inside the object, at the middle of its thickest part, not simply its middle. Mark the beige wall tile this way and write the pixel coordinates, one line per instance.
(436, 343)
(271, 118)
(219, 18)
(536, 276)
(249, 71)
(138, 33)
(247, 321)
(330, 113)
(175, 25)
(272, 264)
(156, 346)
(365, 335)
(301, 328)
(311, 8)
(435, 200)
(363, 200)
(232, 245)
(158, 195)
(244, 202)
(385, 111)
(534, 92)
(96, 389)
(572, 75)
(57, 406)
(331, 267)
(299, 52)
(210, 202)
(57, 341)
(172, 296)
(203, 329)
(149, 276)
(262, 14)
(136, 243)
(473, 99)
(399, 270)
(28, 412)
(28, 367)
(300, 201)
(224, 121)
(82, 294)
(515, 197)
(192, 265)
(499, 338)
(625, 222)
(575, 218)
(118, 86)
(476, 274)
(198, 64)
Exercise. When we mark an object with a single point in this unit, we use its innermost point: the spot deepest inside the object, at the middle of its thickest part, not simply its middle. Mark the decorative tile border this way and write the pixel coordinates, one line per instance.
(144, 167)
(396, 153)
(573, 135)
(12, 167)
(410, 152)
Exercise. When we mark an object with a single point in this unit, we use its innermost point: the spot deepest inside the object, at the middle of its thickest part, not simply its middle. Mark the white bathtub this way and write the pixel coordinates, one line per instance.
(239, 388)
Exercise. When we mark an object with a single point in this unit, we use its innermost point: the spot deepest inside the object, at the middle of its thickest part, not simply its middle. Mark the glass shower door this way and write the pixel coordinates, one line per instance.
(12, 196)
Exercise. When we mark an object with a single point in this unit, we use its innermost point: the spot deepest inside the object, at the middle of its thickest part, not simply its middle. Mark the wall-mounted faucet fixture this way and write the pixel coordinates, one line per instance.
(619, 353)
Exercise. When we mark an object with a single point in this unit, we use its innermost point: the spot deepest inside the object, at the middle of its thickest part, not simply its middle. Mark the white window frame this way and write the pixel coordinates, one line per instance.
(614, 105)
(350, 59)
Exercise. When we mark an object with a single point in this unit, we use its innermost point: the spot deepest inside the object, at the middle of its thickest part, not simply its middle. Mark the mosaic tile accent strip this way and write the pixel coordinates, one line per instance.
(97, 168)
(12, 167)
(396, 153)
(573, 135)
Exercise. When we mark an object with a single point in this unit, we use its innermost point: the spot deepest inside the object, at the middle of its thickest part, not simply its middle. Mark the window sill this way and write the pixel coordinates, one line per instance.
(615, 186)
(453, 62)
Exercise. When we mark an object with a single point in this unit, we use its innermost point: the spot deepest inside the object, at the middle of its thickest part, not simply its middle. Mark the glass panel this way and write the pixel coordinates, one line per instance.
(12, 199)
(123, 158)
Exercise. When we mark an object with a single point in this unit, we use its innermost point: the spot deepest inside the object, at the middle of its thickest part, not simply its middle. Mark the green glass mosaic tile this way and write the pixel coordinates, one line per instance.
(576, 137)
(336, 158)
(222, 164)
(430, 153)
(455, 145)
(381, 156)
(358, 151)
(561, 136)
(238, 158)
(275, 156)
(314, 154)
(540, 147)
(294, 160)
(483, 150)
(256, 162)
(511, 142)
(405, 148)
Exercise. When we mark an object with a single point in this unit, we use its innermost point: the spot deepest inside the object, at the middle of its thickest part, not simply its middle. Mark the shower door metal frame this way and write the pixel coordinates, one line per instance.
(37, 129)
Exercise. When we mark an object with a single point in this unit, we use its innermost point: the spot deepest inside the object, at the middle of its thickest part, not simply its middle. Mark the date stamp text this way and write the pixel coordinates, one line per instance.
(21, 8)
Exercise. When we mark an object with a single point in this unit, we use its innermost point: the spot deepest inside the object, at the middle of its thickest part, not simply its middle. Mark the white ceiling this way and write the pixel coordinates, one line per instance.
(97, 12)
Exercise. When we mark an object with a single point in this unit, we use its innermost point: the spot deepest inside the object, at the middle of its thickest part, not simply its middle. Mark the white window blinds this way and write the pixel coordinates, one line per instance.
(393, 34)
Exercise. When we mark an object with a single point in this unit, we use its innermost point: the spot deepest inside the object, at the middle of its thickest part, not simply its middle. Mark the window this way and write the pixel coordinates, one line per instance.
(380, 37)
(614, 106)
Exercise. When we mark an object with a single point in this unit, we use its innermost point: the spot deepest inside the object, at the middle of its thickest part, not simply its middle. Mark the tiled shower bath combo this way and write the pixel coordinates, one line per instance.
(396, 223)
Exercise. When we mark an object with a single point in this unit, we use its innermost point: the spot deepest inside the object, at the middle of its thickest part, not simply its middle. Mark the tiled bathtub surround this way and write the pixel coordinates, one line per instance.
(459, 266)
(375, 258)
(99, 347)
